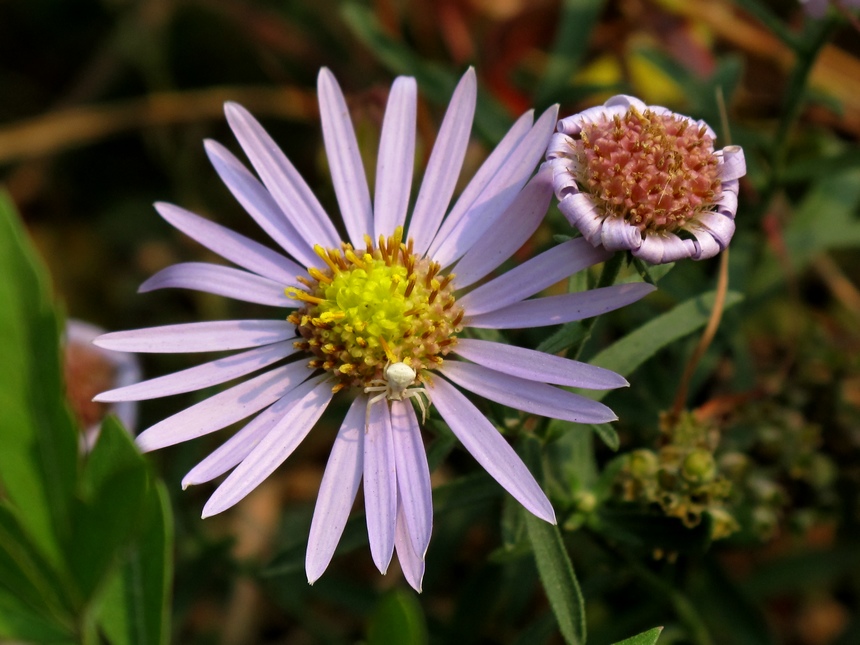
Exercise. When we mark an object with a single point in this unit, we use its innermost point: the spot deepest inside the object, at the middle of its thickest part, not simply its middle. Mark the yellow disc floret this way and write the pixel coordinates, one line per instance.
(375, 306)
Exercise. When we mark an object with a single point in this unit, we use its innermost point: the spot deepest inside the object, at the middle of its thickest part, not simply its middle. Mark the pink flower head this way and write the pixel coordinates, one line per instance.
(646, 180)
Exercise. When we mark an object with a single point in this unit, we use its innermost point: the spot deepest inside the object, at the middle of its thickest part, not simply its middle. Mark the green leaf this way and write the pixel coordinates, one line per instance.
(107, 512)
(572, 40)
(491, 118)
(38, 460)
(398, 618)
(20, 622)
(554, 566)
(628, 353)
(645, 638)
(136, 605)
(30, 579)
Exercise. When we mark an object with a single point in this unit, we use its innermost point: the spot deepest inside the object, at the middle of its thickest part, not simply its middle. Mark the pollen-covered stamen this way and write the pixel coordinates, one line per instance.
(374, 307)
(657, 171)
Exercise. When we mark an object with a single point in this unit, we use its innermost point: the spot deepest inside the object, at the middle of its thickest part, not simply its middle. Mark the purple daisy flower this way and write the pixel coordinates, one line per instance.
(644, 179)
(378, 316)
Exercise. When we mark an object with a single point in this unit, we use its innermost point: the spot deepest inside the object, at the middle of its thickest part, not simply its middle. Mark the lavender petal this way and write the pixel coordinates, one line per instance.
(411, 563)
(555, 310)
(445, 163)
(229, 454)
(215, 336)
(498, 195)
(482, 179)
(279, 175)
(514, 228)
(617, 235)
(344, 160)
(205, 375)
(220, 280)
(272, 451)
(489, 448)
(232, 246)
(528, 396)
(337, 491)
(534, 275)
(413, 475)
(537, 366)
(380, 485)
(224, 408)
(734, 164)
(259, 204)
(396, 157)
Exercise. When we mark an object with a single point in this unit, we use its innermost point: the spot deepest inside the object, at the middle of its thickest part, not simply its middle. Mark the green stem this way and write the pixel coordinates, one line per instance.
(607, 278)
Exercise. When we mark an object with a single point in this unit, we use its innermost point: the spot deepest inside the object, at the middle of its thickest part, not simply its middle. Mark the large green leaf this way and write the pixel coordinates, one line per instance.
(38, 460)
(628, 353)
(398, 618)
(136, 605)
(107, 511)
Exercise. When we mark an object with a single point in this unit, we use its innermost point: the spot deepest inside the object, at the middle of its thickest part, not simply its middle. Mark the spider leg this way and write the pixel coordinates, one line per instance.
(370, 402)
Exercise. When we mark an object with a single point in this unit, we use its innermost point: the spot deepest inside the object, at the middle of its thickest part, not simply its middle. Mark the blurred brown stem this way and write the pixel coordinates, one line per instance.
(705, 340)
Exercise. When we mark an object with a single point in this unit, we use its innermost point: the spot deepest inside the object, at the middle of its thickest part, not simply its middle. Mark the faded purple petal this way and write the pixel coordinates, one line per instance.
(537, 366)
(411, 563)
(232, 246)
(617, 235)
(413, 475)
(489, 448)
(380, 485)
(660, 249)
(513, 229)
(534, 275)
(215, 336)
(396, 157)
(720, 226)
(224, 408)
(734, 164)
(220, 280)
(257, 201)
(583, 215)
(528, 396)
(555, 310)
(344, 160)
(483, 178)
(337, 491)
(498, 195)
(272, 451)
(205, 375)
(617, 105)
(240, 445)
(445, 163)
(279, 175)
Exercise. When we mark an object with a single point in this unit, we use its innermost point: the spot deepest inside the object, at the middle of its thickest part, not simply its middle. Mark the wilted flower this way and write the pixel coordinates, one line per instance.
(378, 317)
(645, 179)
(89, 370)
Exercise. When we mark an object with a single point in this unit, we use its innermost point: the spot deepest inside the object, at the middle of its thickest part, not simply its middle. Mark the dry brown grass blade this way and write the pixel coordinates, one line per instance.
(55, 132)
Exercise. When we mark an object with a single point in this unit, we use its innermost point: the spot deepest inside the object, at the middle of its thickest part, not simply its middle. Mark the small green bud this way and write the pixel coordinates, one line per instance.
(642, 463)
(699, 467)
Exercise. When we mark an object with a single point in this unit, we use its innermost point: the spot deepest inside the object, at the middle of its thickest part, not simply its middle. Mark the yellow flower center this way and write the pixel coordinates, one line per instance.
(375, 306)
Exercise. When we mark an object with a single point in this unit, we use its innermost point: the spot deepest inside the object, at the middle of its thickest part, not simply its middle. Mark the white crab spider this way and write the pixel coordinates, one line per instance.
(395, 386)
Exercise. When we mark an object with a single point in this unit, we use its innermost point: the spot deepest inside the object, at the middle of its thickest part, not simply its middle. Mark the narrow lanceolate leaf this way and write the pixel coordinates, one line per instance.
(627, 354)
(555, 568)
(38, 458)
(645, 638)
(136, 607)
